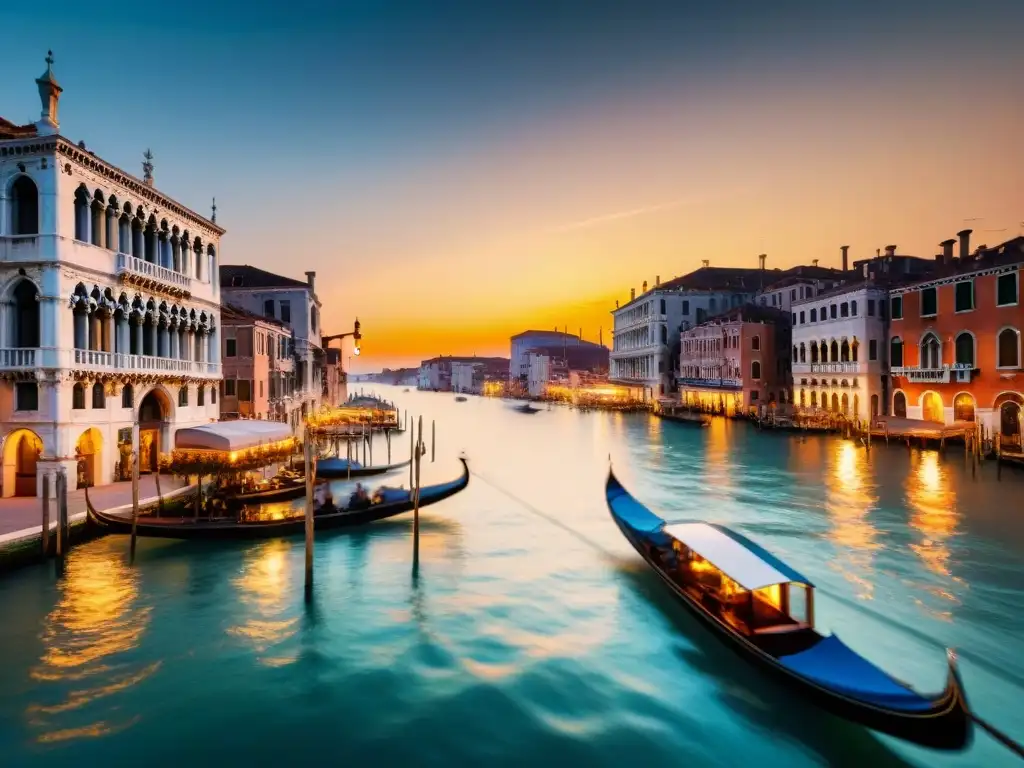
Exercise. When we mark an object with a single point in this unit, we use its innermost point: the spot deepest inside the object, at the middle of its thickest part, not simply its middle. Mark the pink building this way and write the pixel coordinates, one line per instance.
(735, 361)
(259, 369)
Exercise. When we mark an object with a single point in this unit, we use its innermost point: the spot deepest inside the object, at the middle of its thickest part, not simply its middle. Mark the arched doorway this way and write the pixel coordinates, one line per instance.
(899, 405)
(1009, 420)
(22, 449)
(963, 407)
(89, 452)
(846, 404)
(835, 401)
(931, 407)
(154, 413)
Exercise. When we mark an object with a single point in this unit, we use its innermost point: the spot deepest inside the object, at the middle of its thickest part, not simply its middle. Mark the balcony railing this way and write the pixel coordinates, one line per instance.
(134, 266)
(93, 360)
(959, 372)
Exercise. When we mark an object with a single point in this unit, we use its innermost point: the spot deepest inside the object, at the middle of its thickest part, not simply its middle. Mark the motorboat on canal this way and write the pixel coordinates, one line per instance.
(389, 502)
(764, 610)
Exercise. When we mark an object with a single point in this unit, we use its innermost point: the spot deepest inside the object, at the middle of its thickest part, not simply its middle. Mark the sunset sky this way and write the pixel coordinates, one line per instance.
(457, 172)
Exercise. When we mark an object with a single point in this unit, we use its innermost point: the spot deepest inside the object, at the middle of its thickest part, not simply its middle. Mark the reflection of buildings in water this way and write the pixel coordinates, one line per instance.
(94, 621)
(932, 503)
(263, 592)
(849, 501)
(716, 454)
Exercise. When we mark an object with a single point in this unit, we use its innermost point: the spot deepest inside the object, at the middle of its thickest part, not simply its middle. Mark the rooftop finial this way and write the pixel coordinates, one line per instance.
(49, 96)
(49, 59)
(213, 218)
(147, 168)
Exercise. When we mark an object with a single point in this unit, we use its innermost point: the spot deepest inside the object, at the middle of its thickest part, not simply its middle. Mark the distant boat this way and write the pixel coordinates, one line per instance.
(406, 389)
(461, 399)
(526, 408)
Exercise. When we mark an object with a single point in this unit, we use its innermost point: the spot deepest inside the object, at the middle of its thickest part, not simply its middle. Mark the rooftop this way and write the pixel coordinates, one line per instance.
(245, 276)
(984, 258)
(232, 315)
(9, 130)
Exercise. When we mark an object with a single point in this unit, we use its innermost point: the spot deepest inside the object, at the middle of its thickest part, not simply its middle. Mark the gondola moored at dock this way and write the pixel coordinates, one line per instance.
(339, 468)
(392, 502)
(764, 610)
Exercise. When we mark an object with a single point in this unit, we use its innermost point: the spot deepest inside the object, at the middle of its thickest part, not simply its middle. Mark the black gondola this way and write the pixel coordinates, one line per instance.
(340, 469)
(747, 597)
(525, 408)
(395, 502)
(290, 488)
(694, 419)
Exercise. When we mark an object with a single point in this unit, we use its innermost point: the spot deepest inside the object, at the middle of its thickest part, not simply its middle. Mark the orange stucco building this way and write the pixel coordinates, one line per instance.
(955, 340)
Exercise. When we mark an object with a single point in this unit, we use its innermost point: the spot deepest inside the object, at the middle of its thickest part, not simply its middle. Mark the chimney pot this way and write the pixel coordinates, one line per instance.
(762, 259)
(632, 293)
(311, 280)
(814, 262)
(845, 249)
(965, 242)
(657, 280)
(890, 250)
(645, 287)
(947, 250)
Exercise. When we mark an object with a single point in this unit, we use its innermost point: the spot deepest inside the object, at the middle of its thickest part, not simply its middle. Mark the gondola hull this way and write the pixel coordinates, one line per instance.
(326, 518)
(336, 469)
(285, 493)
(945, 724)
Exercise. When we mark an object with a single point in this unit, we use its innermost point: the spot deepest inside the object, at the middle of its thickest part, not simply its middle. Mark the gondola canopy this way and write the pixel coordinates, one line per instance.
(231, 435)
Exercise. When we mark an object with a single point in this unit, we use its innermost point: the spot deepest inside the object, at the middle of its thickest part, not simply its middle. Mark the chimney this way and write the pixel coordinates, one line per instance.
(947, 250)
(632, 293)
(890, 250)
(657, 280)
(846, 256)
(645, 287)
(965, 242)
(705, 263)
(762, 258)
(814, 262)
(311, 280)
(878, 253)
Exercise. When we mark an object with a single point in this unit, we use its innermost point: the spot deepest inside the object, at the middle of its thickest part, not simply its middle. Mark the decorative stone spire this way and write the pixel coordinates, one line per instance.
(147, 168)
(49, 96)
(213, 218)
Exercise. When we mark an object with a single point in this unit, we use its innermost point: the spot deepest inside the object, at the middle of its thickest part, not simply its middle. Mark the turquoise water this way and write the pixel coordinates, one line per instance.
(531, 633)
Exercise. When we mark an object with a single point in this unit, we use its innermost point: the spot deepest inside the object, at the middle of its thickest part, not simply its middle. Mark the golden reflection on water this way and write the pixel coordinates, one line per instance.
(94, 620)
(849, 501)
(263, 590)
(932, 503)
(717, 453)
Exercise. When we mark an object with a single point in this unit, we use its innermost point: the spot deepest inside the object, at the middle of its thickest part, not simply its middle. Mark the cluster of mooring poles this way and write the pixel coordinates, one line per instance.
(63, 533)
(417, 450)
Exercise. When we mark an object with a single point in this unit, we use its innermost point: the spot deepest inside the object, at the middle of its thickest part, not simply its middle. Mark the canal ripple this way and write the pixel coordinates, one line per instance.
(531, 633)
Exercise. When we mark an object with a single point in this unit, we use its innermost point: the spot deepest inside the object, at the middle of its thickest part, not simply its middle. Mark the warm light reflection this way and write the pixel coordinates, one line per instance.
(263, 590)
(849, 499)
(94, 622)
(932, 503)
(717, 454)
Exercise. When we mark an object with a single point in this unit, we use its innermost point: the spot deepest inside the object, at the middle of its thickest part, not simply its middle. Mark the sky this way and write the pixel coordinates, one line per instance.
(457, 172)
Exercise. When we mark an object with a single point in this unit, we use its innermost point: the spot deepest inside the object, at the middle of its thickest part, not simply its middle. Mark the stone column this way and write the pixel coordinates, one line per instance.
(81, 329)
(108, 333)
(162, 341)
(186, 258)
(172, 333)
(135, 334)
(152, 338)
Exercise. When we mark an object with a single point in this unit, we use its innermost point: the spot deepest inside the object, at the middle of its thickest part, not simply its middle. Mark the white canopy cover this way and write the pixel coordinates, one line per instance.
(231, 435)
(746, 567)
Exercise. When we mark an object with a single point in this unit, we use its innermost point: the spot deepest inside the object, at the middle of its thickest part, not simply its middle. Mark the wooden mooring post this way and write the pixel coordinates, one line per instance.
(61, 489)
(416, 496)
(412, 459)
(46, 515)
(387, 439)
(433, 438)
(135, 492)
(310, 512)
(999, 455)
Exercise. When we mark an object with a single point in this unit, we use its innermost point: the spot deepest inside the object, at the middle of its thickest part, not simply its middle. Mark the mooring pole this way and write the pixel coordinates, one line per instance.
(46, 515)
(416, 498)
(310, 512)
(387, 438)
(60, 528)
(369, 443)
(412, 456)
(433, 438)
(135, 490)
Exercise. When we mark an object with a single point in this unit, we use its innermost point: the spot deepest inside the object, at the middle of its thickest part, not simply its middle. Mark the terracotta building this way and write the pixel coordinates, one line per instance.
(736, 361)
(259, 369)
(955, 346)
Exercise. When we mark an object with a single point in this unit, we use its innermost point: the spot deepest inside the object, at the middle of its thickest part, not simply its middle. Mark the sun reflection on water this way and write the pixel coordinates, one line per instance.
(263, 589)
(95, 621)
(849, 501)
(934, 516)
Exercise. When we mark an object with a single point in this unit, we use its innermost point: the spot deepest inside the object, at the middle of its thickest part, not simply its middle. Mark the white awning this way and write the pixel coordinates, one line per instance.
(748, 567)
(231, 435)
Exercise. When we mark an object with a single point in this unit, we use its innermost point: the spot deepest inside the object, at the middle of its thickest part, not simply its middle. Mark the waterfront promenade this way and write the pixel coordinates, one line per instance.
(23, 516)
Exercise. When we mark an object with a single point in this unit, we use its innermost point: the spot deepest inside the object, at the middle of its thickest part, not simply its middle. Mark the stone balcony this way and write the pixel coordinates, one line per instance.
(818, 369)
(29, 359)
(958, 372)
(149, 275)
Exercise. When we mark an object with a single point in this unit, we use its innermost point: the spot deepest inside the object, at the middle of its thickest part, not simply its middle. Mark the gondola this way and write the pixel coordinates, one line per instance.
(395, 502)
(752, 602)
(693, 419)
(290, 488)
(340, 469)
(461, 399)
(526, 408)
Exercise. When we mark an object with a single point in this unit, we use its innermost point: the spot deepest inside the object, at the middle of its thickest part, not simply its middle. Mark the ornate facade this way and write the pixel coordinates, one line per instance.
(109, 309)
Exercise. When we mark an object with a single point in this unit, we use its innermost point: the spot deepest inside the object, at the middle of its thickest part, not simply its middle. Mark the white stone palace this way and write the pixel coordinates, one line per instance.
(109, 309)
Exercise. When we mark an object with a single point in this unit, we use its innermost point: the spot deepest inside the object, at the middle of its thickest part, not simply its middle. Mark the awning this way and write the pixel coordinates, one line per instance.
(231, 435)
(737, 557)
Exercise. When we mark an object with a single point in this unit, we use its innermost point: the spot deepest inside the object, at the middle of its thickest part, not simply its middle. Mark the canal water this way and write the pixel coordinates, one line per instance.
(531, 633)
